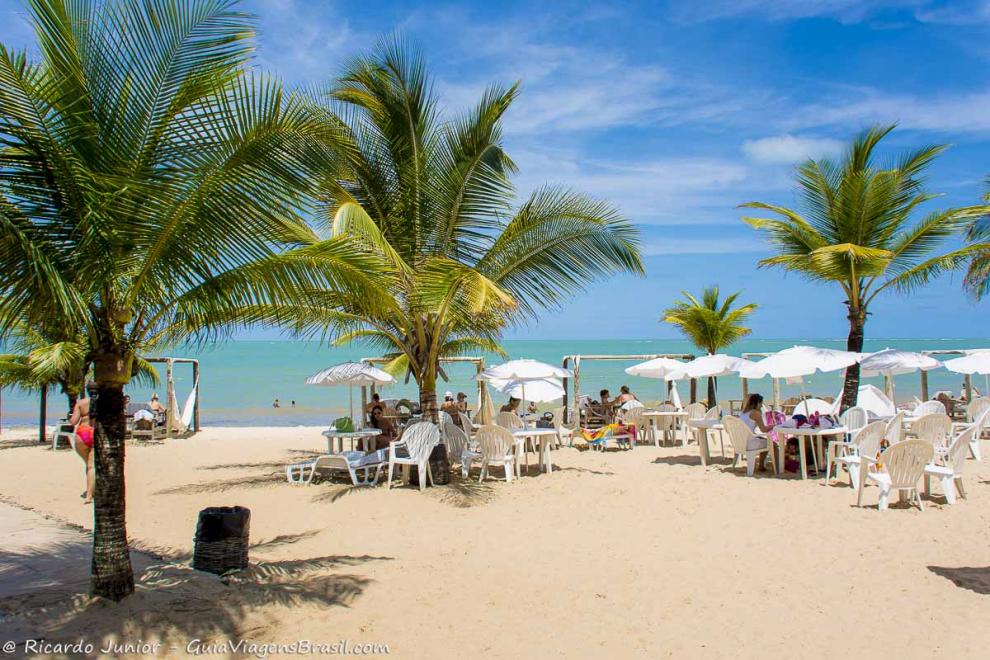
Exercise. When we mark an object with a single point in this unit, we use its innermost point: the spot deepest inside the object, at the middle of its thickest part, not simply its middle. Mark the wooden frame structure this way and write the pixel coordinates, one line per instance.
(171, 403)
(577, 359)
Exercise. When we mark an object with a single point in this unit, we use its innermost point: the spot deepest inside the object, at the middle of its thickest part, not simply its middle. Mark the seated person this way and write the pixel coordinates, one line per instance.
(450, 407)
(462, 405)
(752, 416)
(376, 400)
(389, 431)
(624, 396)
(155, 405)
(511, 407)
(531, 408)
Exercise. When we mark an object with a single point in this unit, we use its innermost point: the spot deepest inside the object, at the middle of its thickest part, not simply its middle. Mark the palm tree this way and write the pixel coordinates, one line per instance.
(711, 324)
(977, 280)
(858, 231)
(433, 198)
(149, 188)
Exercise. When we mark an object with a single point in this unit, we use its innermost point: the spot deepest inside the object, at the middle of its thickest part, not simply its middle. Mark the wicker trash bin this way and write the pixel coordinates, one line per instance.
(221, 543)
(439, 467)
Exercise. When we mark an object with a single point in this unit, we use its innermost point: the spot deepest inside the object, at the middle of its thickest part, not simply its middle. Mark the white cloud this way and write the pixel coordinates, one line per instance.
(843, 10)
(787, 149)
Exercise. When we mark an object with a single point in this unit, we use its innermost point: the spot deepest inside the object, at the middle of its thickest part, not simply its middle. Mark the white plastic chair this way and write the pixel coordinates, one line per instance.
(466, 425)
(854, 419)
(715, 413)
(746, 443)
(928, 408)
(935, 429)
(562, 431)
(459, 450)
(950, 475)
(978, 412)
(866, 442)
(496, 444)
(900, 468)
(513, 422)
(667, 426)
(695, 410)
(895, 429)
(630, 417)
(418, 441)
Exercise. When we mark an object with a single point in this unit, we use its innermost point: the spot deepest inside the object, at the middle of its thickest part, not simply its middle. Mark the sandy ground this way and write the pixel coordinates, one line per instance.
(623, 554)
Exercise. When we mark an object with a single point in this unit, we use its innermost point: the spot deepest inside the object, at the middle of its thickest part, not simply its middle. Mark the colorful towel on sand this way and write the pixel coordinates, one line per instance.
(594, 435)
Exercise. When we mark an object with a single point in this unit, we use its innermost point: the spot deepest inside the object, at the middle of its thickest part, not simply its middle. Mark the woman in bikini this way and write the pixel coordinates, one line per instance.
(84, 445)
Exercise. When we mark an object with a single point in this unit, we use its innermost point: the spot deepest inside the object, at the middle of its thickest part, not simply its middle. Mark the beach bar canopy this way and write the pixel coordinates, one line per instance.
(576, 361)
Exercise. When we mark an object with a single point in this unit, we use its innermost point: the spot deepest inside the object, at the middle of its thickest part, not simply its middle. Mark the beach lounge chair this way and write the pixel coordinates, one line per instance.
(899, 468)
(865, 442)
(950, 475)
(747, 444)
(459, 449)
(349, 462)
(496, 445)
(416, 445)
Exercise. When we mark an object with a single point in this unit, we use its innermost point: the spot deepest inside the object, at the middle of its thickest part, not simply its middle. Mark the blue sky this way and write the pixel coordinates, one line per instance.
(677, 112)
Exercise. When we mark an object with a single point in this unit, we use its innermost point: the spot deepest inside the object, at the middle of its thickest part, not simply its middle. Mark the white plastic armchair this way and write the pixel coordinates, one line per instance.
(895, 429)
(509, 421)
(695, 410)
(746, 443)
(496, 446)
(854, 419)
(459, 449)
(977, 413)
(928, 408)
(866, 442)
(562, 431)
(950, 474)
(466, 425)
(935, 429)
(416, 444)
(899, 468)
(715, 413)
(667, 426)
(632, 417)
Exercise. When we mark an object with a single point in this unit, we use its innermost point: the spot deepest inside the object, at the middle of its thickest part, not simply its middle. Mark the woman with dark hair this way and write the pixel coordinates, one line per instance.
(84, 443)
(752, 417)
(389, 432)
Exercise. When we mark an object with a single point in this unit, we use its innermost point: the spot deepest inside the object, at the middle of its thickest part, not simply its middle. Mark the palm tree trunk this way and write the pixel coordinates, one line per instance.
(711, 392)
(112, 575)
(854, 342)
(428, 395)
(43, 414)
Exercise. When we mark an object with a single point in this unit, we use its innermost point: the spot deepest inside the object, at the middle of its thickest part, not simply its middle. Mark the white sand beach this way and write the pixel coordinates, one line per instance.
(613, 555)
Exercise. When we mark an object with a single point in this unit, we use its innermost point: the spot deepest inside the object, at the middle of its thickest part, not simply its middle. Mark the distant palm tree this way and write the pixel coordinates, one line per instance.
(432, 196)
(711, 324)
(857, 231)
(148, 188)
(977, 280)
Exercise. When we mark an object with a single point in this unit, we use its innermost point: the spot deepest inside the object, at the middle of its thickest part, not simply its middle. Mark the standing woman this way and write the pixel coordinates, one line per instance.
(84, 444)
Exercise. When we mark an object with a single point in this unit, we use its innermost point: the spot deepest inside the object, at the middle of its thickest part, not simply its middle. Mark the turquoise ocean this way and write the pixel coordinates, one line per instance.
(241, 379)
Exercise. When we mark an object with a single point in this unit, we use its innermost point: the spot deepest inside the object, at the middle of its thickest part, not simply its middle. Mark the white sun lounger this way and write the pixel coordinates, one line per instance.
(349, 461)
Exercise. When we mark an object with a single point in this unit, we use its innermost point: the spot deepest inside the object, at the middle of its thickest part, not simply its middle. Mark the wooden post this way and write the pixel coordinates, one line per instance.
(888, 386)
(969, 387)
(43, 414)
(694, 390)
(195, 367)
(776, 394)
(170, 398)
(479, 366)
(924, 386)
(745, 390)
(364, 405)
(577, 390)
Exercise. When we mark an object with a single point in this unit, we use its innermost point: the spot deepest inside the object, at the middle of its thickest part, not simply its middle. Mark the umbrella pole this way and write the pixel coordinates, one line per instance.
(350, 390)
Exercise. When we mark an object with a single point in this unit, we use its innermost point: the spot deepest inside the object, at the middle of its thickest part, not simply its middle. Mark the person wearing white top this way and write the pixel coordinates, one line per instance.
(752, 416)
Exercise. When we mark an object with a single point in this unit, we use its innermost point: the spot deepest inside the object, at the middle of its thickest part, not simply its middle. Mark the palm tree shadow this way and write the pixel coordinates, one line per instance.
(465, 492)
(174, 603)
(223, 485)
(584, 471)
(975, 579)
(21, 443)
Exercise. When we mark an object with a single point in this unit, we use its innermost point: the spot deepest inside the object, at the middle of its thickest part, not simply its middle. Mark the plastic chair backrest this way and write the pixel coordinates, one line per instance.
(696, 410)
(420, 439)
(666, 407)
(855, 418)
(444, 418)
(812, 406)
(634, 416)
(895, 429)
(868, 438)
(455, 439)
(509, 421)
(738, 432)
(631, 405)
(466, 425)
(558, 418)
(714, 413)
(905, 462)
(935, 429)
(929, 408)
(977, 408)
(495, 441)
(959, 449)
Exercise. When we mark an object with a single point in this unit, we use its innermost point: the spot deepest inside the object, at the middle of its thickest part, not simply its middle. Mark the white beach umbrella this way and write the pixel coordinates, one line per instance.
(974, 362)
(872, 399)
(524, 372)
(351, 374)
(800, 361)
(712, 366)
(660, 368)
(540, 391)
(675, 396)
(892, 362)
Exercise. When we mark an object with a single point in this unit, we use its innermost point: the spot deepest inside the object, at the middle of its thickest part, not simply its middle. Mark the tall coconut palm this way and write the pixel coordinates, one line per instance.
(857, 228)
(977, 280)
(148, 188)
(432, 196)
(711, 324)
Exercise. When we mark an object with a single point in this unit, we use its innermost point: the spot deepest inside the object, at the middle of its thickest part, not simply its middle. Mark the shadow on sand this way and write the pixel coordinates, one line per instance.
(975, 579)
